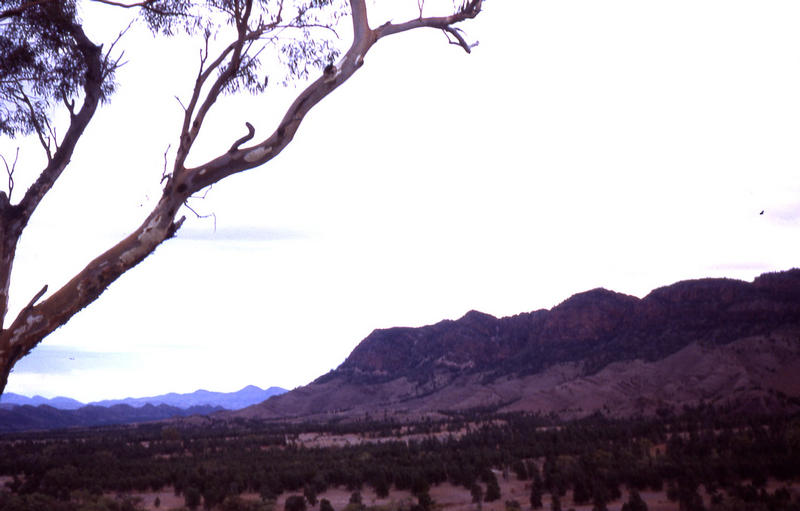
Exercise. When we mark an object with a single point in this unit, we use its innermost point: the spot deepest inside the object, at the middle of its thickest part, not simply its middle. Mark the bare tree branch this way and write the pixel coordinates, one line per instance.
(45, 142)
(467, 11)
(10, 172)
(36, 297)
(52, 135)
(198, 215)
(202, 76)
(459, 39)
(164, 174)
(109, 66)
(146, 4)
(70, 104)
(233, 53)
(251, 132)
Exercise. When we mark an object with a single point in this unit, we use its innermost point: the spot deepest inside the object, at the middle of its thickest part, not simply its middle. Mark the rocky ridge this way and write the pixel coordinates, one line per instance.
(708, 340)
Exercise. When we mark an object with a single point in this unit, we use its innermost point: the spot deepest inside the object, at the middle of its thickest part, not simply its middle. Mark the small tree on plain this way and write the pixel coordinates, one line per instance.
(310, 494)
(266, 493)
(536, 497)
(424, 502)
(492, 491)
(325, 505)
(635, 502)
(477, 494)
(295, 503)
(192, 498)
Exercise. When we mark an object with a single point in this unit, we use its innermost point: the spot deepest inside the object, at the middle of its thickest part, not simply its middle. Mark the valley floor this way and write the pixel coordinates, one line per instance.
(703, 459)
(446, 497)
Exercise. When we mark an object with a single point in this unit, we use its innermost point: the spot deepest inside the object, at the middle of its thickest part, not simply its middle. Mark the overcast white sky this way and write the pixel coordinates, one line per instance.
(626, 144)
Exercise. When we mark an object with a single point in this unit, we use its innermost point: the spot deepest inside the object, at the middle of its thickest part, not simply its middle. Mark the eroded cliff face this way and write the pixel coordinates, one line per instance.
(577, 357)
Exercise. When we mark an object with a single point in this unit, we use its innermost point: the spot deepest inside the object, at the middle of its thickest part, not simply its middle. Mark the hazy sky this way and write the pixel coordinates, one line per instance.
(584, 143)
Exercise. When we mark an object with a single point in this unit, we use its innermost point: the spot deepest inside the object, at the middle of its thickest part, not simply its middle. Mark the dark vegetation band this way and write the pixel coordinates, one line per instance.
(732, 456)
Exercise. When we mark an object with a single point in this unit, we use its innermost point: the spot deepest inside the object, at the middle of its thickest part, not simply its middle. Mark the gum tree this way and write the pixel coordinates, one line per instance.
(48, 62)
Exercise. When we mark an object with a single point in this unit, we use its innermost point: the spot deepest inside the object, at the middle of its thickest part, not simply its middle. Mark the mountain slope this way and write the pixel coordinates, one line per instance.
(717, 340)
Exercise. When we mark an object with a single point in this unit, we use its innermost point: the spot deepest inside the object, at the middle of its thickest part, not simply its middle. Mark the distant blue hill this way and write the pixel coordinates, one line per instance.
(243, 398)
(10, 400)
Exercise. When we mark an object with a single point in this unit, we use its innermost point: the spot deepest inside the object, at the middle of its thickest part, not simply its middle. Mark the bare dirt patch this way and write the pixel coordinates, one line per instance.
(323, 439)
(167, 499)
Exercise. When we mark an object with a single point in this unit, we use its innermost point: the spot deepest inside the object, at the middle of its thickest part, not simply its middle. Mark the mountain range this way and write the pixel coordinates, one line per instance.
(722, 342)
(228, 400)
(19, 413)
(10, 400)
(707, 341)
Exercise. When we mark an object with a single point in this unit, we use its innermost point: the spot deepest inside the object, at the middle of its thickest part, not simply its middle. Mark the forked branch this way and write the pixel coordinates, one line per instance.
(10, 171)
(229, 59)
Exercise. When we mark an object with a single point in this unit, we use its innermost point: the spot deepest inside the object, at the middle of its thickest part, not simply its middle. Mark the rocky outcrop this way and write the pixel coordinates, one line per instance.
(709, 340)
